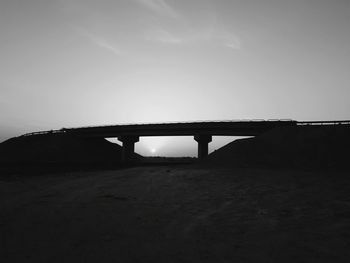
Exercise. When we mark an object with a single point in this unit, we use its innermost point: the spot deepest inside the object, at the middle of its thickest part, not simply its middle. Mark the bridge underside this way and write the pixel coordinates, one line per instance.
(203, 142)
(128, 154)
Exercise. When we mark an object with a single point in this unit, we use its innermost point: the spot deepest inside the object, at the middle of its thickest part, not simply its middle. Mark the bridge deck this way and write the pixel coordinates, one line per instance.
(228, 128)
(238, 128)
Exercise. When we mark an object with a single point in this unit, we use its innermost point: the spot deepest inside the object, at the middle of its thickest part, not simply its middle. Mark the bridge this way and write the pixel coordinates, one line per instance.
(202, 132)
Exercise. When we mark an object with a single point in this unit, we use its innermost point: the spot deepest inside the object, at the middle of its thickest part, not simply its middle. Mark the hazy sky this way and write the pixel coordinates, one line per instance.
(68, 63)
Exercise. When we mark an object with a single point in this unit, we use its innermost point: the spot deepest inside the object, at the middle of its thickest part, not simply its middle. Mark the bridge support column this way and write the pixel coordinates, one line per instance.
(203, 141)
(128, 147)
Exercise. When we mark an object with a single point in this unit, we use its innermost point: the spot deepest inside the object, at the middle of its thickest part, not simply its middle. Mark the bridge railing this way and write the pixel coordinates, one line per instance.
(43, 132)
(301, 123)
(183, 122)
(315, 123)
(64, 130)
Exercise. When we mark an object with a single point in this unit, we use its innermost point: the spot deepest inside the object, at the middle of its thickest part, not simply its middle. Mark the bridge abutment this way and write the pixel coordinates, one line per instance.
(203, 142)
(128, 147)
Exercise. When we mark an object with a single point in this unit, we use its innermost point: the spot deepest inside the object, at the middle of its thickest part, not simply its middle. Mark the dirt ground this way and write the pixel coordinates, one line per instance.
(176, 214)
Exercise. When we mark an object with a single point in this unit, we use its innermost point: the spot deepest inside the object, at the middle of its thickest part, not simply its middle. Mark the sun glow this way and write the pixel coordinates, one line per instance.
(153, 150)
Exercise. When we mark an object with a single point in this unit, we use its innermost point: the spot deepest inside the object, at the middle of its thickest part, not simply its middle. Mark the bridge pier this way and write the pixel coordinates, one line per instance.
(128, 147)
(203, 141)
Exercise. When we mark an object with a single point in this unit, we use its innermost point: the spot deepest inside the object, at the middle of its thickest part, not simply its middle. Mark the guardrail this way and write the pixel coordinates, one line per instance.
(183, 122)
(43, 132)
(63, 130)
(341, 122)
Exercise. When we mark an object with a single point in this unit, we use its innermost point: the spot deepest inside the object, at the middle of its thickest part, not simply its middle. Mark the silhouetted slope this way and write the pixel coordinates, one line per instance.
(299, 146)
(59, 148)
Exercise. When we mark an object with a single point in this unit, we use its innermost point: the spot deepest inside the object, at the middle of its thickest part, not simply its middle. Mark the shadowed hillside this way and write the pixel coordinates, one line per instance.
(289, 147)
(59, 149)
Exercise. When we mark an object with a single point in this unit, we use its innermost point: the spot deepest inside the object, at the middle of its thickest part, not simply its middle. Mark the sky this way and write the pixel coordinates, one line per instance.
(71, 63)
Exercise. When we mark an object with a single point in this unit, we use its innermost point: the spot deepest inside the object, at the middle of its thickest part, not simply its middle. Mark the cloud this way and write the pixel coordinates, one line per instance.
(99, 41)
(216, 36)
(160, 7)
(163, 36)
(233, 45)
(228, 40)
(211, 32)
(220, 36)
(106, 45)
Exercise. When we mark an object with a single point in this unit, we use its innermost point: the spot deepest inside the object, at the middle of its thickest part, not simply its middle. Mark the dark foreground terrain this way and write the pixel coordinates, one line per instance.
(176, 214)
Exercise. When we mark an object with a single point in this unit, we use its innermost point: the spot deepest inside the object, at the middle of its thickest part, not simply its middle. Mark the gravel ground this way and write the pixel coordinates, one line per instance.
(176, 214)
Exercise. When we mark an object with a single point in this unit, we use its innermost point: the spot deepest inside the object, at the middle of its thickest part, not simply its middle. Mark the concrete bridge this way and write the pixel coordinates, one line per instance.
(201, 131)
